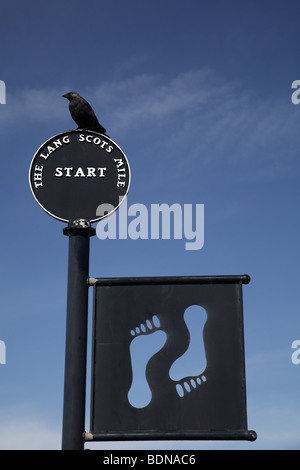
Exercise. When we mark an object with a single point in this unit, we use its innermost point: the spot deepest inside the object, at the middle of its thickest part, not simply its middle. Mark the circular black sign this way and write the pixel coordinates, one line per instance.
(75, 172)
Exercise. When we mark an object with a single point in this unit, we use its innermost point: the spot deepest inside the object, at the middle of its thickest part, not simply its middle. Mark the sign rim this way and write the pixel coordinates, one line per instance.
(97, 219)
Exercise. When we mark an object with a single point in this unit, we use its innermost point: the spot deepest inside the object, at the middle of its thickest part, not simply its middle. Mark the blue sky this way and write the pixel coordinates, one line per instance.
(198, 96)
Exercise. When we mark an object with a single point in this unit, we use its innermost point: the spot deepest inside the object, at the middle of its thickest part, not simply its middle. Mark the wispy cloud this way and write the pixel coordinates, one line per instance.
(30, 105)
(198, 99)
(276, 423)
(196, 113)
(24, 432)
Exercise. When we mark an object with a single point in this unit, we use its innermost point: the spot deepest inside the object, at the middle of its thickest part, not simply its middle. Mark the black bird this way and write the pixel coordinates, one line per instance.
(82, 113)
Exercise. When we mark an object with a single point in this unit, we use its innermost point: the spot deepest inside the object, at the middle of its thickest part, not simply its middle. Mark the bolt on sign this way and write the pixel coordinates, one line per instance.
(74, 172)
(168, 359)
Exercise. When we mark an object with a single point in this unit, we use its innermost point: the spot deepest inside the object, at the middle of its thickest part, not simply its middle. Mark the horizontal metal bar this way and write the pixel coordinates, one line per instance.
(244, 279)
(239, 435)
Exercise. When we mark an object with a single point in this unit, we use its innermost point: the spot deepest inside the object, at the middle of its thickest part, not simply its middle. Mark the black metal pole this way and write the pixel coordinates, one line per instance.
(79, 233)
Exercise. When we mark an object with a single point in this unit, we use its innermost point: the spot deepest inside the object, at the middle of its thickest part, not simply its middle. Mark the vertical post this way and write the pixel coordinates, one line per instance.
(79, 233)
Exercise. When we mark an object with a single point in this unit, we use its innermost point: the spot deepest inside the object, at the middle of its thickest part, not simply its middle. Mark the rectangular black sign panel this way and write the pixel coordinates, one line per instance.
(168, 359)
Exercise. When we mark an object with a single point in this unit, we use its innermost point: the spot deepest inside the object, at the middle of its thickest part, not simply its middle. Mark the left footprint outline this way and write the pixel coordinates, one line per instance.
(153, 339)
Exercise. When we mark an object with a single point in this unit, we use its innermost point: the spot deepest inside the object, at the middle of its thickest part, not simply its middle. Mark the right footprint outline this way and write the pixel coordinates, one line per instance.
(194, 315)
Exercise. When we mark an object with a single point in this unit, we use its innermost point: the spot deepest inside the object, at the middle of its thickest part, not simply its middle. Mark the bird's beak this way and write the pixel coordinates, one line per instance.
(66, 96)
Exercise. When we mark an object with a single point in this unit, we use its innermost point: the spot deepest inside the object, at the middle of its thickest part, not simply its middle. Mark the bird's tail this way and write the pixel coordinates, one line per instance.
(101, 129)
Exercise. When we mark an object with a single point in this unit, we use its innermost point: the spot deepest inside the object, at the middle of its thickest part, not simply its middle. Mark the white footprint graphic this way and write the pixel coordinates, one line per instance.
(188, 369)
(147, 341)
